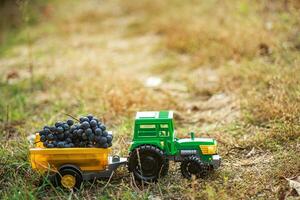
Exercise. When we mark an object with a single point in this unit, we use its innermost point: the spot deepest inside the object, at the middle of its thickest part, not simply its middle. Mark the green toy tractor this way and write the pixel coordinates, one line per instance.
(154, 145)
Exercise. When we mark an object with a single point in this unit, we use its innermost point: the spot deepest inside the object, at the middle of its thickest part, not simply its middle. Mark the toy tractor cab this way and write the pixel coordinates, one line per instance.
(154, 144)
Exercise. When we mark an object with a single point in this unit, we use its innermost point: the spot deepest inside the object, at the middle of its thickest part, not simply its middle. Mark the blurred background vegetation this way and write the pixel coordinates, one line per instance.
(229, 69)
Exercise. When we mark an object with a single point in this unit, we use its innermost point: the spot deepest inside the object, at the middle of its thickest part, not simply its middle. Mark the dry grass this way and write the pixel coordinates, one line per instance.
(230, 70)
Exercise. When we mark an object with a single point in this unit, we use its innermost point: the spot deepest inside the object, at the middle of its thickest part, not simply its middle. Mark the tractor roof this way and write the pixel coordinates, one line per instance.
(154, 115)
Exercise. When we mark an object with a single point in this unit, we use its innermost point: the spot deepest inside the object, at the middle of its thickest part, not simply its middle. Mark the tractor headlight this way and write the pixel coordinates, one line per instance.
(208, 149)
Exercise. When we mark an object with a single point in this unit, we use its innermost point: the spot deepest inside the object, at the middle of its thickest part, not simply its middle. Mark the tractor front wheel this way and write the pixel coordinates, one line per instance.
(192, 165)
(148, 163)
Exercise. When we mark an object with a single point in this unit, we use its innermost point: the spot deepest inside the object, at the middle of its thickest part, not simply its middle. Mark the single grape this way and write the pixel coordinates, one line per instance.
(96, 119)
(94, 129)
(104, 133)
(67, 134)
(105, 145)
(50, 136)
(42, 132)
(57, 124)
(68, 140)
(103, 140)
(61, 136)
(47, 131)
(98, 131)
(79, 132)
(66, 127)
(93, 123)
(72, 128)
(45, 143)
(81, 126)
(70, 122)
(88, 131)
(49, 145)
(52, 128)
(109, 138)
(60, 129)
(84, 119)
(90, 144)
(60, 144)
(81, 119)
(54, 137)
(90, 116)
(99, 145)
(43, 138)
(97, 138)
(54, 143)
(91, 137)
(84, 136)
(81, 144)
(85, 125)
(103, 127)
(74, 133)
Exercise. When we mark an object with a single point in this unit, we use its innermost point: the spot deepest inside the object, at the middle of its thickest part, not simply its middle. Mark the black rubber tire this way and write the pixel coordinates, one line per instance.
(153, 163)
(165, 168)
(192, 165)
(70, 171)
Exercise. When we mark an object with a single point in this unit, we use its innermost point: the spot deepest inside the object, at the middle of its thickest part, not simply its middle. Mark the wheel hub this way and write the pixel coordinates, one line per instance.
(193, 168)
(68, 181)
(148, 163)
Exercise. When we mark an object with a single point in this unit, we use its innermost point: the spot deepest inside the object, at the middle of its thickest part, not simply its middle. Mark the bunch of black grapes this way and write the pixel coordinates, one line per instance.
(89, 132)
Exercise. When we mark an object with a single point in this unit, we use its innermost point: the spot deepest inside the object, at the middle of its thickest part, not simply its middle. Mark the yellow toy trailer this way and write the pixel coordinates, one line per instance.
(73, 165)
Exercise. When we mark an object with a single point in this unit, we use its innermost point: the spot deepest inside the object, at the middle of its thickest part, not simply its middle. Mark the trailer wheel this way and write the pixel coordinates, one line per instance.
(69, 178)
(148, 163)
(192, 165)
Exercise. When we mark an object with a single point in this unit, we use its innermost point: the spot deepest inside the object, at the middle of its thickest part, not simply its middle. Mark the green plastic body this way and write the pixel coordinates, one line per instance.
(157, 129)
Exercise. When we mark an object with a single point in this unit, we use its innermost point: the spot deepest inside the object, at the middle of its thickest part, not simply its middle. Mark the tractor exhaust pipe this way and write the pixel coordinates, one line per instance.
(192, 135)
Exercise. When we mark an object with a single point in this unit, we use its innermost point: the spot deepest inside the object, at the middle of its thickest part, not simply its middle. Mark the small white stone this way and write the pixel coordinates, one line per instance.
(153, 81)
(269, 25)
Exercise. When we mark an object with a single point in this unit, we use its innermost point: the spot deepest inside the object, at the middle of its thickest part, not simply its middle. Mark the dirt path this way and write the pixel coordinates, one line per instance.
(103, 45)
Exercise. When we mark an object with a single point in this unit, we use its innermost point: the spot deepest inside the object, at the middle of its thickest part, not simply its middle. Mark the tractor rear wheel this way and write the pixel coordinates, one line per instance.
(192, 165)
(148, 163)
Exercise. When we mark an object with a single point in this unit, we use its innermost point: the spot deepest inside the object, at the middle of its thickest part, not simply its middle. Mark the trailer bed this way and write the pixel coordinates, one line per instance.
(87, 159)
